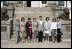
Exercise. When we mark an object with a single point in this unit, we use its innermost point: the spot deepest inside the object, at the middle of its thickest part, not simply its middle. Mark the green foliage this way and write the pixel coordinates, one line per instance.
(19, 2)
(44, 2)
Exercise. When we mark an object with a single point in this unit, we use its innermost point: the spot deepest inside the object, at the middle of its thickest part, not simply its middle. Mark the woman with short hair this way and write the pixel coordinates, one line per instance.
(34, 29)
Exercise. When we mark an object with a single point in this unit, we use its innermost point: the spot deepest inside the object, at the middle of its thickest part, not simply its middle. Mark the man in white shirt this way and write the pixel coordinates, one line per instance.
(59, 33)
(40, 29)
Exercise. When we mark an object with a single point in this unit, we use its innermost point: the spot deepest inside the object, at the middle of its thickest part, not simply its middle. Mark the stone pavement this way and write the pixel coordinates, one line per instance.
(44, 44)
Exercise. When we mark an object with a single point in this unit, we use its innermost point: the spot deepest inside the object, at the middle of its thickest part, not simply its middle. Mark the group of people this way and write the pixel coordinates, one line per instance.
(38, 29)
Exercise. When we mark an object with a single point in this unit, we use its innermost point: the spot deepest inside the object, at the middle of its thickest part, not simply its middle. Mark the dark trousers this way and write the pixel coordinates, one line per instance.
(28, 35)
(40, 36)
(58, 35)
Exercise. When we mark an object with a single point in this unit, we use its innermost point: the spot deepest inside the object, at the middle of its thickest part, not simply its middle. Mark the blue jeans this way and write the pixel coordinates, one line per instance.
(17, 37)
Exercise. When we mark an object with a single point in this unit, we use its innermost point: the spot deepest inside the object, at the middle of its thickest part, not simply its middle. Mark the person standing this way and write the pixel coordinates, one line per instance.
(47, 26)
(29, 29)
(34, 29)
(53, 29)
(17, 29)
(40, 29)
(59, 33)
(23, 30)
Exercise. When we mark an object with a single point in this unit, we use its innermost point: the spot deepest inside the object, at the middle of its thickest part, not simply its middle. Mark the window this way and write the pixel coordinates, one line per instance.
(5, 3)
(60, 3)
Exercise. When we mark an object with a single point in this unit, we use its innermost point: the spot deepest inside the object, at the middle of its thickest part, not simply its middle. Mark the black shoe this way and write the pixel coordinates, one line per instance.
(40, 41)
(58, 41)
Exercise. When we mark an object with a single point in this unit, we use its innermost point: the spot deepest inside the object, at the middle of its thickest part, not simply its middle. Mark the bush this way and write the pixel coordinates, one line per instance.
(19, 2)
(44, 2)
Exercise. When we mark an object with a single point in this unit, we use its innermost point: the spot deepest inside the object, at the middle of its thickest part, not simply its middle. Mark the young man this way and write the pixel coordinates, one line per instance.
(59, 25)
(40, 29)
(17, 29)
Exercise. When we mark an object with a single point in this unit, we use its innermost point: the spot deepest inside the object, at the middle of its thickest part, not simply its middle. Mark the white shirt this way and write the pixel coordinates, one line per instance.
(59, 24)
(40, 25)
(41, 22)
(47, 25)
(53, 25)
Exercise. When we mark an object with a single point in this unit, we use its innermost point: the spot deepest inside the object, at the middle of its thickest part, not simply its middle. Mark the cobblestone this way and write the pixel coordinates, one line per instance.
(44, 44)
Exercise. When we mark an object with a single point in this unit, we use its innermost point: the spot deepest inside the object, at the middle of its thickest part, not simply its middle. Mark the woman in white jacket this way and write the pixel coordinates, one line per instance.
(53, 29)
(47, 26)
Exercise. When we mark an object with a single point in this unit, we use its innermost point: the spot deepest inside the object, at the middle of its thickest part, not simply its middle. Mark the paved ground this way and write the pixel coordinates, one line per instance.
(44, 44)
